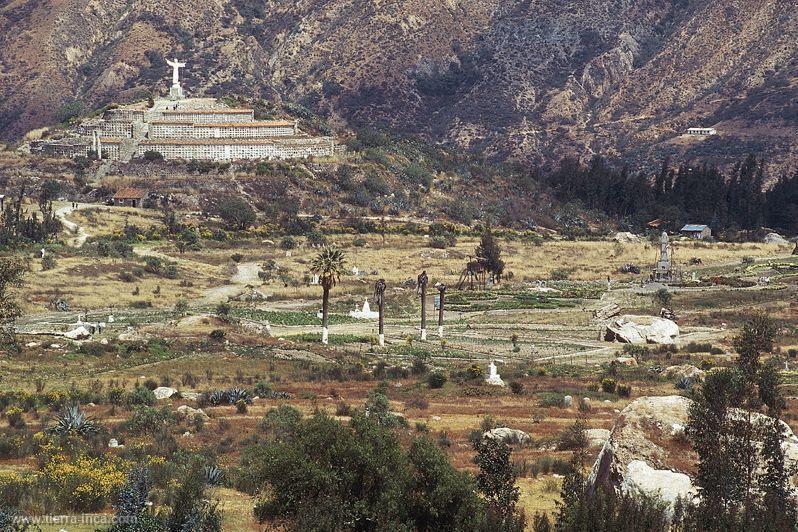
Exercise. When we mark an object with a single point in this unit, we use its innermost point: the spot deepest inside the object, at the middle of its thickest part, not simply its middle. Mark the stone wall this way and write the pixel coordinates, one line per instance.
(225, 150)
(239, 130)
(208, 116)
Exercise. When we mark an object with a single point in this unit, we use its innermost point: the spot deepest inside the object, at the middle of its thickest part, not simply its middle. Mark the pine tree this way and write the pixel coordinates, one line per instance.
(496, 480)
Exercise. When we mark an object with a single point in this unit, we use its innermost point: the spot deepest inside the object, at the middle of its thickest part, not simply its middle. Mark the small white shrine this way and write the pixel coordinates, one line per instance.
(493, 378)
(365, 313)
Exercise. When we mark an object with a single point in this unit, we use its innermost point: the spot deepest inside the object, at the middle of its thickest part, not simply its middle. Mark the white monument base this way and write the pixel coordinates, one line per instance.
(423, 334)
(325, 335)
(176, 92)
(382, 340)
(440, 331)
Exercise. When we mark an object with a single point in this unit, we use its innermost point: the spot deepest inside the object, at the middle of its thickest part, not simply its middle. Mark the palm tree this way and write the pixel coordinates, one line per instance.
(421, 288)
(442, 291)
(329, 265)
(379, 298)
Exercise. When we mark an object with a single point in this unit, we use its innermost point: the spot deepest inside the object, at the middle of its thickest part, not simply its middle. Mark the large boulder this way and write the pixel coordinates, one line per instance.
(642, 330)
(647, 451)
(775, 238)
(164, 392)
(507, 435)
(626, 238)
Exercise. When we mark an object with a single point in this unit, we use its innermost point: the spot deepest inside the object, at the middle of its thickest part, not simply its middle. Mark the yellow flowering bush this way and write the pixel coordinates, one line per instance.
(14, 416)
(84, 484)
(13, 488)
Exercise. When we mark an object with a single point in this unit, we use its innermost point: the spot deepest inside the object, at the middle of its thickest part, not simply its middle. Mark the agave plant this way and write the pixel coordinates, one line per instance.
(235, 395)
(72, 420)
(216, 398)
(213, 475)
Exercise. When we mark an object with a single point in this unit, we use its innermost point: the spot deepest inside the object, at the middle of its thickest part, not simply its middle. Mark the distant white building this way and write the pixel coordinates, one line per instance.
(702, 131)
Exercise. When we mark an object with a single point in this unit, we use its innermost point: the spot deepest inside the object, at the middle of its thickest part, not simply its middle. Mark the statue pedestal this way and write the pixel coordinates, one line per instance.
(176, 92)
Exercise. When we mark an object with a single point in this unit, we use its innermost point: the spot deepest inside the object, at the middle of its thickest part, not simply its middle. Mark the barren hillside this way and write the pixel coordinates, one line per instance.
(528, 79)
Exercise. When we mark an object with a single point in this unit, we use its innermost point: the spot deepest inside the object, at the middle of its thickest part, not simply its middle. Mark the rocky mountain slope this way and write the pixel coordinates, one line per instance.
(524, 79)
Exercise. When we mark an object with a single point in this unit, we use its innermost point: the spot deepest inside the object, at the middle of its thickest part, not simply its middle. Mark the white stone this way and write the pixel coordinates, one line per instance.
(684, 371)
(507, 435)
(113, 443)
(567, 401)
(187, 434)
(775, 238)
(627, 361)
(436, 418)
(626, 238)
(32, 344)
(164, 392)
(190, 396)
(79, 333)
(634, 330)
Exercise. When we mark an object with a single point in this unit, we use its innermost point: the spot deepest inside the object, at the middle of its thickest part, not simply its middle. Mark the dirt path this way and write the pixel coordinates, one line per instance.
(246, 275)
(80, 234)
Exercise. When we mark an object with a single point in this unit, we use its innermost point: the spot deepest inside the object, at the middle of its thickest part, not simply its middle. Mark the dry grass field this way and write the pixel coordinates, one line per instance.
(546, 342)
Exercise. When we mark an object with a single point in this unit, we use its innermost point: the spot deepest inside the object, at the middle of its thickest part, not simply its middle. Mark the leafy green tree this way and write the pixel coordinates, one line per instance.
(11, 272)
(236, 212)
(490, 250)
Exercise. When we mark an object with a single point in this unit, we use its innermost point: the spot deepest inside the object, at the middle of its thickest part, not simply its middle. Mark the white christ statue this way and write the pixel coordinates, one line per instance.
(176, 91)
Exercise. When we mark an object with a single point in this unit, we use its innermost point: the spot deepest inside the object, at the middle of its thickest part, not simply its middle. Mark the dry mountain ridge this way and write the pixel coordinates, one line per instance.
(531, 80)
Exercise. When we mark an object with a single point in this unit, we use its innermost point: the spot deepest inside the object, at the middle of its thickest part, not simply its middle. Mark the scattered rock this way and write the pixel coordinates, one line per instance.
(187, 434)
(191, 413)
(607, 311)
(190, 396)
(436, 418)
(507, 435)
(32, 344)
(597, 437)
(684, 371)
(627, 361)
(113, 443)
(626, 238)
(164, 392)
(567, 401)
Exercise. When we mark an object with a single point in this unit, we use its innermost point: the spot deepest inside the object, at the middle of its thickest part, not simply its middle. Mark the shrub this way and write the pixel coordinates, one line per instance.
(663, 297)
(48, 262)
(608, 385)
(72, 420)
(437, 379)
(241, 406)
(517, 387)
(235, 212)
(218, 335)
(14, 417)
(417, 401)
(573, 437)
(83, 484)
(140, 396)
(624, 390)
(152, 156)
(148, 420)
(288, 242)
(236, 257)
(343, 409)
(150, 384)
